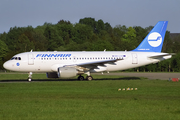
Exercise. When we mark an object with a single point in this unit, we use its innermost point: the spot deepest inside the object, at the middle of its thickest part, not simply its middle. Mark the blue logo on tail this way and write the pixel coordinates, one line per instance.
(154, 39)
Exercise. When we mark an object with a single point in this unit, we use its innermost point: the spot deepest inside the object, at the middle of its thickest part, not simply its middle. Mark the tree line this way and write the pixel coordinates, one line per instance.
(86, 35)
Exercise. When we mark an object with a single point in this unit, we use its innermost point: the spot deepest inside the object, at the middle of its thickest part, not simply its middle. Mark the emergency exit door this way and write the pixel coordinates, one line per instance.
(30, 59)
(134, 58)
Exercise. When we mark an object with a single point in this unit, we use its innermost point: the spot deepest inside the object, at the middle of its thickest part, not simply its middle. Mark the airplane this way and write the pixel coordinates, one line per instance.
(63, 64)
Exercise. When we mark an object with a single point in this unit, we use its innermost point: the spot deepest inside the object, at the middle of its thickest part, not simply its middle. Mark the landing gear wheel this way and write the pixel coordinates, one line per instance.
(89, 78)
(30, 76)
(29, 79)
(80, 78)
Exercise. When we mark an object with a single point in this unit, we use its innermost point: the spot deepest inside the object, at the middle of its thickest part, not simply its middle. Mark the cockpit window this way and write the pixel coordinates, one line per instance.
(16, 58)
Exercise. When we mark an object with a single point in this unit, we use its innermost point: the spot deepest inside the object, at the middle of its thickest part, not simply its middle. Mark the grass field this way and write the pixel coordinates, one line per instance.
(43, 99)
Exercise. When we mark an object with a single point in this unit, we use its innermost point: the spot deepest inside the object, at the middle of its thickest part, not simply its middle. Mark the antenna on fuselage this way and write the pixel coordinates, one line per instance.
(31, 50)
(104, 50)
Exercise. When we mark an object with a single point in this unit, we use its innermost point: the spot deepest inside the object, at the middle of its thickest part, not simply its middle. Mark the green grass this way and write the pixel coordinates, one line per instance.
(90, 100)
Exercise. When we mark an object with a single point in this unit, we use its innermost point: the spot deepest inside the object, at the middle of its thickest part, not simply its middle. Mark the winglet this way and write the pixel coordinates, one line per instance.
(153, 42)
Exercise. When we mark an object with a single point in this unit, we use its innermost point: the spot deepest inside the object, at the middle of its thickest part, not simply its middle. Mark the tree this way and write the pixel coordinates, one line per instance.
(40, 41)
(100, 26)
(90, 22)
(54, 40)
(83, 33)
(108, 28)
(168, 44)
(24, 44)
(141, 33)
(64, 22)
(129, 39)
(3, 50)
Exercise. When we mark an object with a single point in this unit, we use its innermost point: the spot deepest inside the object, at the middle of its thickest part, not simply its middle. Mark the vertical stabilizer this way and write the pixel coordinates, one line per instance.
(153, 42)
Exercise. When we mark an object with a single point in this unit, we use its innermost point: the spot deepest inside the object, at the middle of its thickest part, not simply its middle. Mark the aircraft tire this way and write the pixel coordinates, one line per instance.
(81, 78)
(89, 78)
(29, 79)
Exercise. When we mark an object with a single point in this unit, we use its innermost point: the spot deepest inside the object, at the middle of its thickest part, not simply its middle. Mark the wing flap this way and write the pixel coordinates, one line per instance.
(91, 65)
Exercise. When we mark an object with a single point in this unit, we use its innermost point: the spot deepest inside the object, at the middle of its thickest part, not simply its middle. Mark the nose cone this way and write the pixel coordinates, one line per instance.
(7, 65)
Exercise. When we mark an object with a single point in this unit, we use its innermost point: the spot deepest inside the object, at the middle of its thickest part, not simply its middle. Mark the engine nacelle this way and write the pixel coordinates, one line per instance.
(67, 72)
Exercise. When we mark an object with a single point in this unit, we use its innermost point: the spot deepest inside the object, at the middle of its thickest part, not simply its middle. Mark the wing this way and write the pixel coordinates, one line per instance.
(92, 65)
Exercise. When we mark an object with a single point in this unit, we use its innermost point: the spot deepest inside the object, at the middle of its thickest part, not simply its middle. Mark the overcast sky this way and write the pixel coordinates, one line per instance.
(144, 13)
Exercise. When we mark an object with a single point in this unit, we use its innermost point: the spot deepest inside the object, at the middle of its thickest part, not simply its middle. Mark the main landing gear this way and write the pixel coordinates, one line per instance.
(89, 78)
(30, 76)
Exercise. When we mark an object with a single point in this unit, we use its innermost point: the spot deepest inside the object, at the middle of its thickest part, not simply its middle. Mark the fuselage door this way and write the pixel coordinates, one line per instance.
(30, 59)
(134, 58)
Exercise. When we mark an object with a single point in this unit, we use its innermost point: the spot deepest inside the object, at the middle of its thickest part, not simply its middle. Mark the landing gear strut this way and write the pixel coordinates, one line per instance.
(89, 77)
(30, 76)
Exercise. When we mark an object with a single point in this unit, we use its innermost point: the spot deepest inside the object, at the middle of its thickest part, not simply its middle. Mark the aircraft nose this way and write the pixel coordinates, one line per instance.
(6, 65)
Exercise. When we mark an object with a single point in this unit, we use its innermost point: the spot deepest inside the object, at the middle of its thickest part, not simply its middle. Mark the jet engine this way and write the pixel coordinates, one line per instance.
(67, 72)
(64, 72)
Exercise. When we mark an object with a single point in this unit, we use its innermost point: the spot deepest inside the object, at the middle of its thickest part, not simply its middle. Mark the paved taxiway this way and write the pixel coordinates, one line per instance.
(149, 75)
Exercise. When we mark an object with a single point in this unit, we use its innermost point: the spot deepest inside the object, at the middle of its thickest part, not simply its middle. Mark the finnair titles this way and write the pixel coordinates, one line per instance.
(53, 55)
(62, 64)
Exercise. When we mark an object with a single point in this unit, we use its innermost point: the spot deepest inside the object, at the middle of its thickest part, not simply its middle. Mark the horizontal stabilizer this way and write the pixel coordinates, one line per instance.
(161, 55)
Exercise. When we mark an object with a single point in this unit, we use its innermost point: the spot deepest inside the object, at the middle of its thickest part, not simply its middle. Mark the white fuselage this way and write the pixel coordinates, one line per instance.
(51, 61)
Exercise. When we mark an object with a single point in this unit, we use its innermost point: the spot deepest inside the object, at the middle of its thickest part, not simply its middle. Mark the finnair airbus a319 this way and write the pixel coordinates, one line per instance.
(62, 64)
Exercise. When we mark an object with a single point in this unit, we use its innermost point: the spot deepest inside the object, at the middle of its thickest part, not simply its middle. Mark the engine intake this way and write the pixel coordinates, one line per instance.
(64, 72)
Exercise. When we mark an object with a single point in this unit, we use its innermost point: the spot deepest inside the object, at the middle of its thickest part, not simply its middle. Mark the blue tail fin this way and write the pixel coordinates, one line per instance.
(154, 40)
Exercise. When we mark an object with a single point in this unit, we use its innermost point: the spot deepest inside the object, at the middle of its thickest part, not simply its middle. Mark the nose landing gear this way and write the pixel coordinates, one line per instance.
(30, 76)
